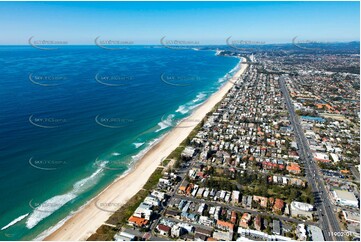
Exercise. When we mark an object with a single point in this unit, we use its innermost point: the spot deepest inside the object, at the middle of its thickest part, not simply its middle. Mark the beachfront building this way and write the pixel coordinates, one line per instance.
(143, 211)
(123, 236)
(138, 222)
(188, 152)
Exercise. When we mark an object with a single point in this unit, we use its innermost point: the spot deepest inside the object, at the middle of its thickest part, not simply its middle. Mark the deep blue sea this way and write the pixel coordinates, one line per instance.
(74, 119)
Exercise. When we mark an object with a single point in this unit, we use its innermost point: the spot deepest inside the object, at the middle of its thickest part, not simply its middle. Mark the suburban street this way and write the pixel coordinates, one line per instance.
(242, 210)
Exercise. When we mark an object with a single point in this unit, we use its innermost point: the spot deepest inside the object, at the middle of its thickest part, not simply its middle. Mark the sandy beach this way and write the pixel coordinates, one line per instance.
(87, 220)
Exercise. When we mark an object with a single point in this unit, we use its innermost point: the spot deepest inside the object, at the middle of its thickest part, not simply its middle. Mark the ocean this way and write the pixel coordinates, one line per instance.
(75, 118)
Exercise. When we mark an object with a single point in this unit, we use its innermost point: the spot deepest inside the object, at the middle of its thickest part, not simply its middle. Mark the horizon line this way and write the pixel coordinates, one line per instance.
(223, 44)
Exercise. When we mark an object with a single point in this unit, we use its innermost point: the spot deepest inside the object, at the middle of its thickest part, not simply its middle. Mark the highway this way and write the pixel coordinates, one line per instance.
(327, 216)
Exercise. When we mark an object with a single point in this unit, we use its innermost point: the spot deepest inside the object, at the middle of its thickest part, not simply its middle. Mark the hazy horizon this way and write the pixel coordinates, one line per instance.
(145, 23)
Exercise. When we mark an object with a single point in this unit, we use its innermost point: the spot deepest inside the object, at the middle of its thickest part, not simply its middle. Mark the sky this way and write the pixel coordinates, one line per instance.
(204, 22)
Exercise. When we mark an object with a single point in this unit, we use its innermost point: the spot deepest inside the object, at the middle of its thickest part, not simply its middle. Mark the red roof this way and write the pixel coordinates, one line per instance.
(221, 223)
(138, 221)
(163, 227)
(233, 217)
(278, 204)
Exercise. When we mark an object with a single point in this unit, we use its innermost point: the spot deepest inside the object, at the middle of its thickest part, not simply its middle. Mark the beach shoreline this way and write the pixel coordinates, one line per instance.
(89, 218)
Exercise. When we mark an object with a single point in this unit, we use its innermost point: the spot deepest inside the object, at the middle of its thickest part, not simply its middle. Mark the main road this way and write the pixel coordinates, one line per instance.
(328, 220)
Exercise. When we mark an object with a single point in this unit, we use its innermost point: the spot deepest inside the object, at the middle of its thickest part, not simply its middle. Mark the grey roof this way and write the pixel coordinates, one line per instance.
(315, 233)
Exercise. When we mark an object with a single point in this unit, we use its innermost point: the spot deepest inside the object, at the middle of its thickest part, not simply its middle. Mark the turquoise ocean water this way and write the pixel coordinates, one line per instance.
(76, 118)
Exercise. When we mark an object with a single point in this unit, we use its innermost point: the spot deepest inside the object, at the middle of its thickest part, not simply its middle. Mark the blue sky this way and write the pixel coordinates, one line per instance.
(205, 22)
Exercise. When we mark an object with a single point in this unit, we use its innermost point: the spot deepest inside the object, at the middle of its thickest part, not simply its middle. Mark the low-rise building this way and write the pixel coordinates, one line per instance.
(152, 201)
(137, 221)
(278, 205)
(301, 232)
(235, 197)
(301, 209)
(164, 229)
(345, 198)
(261, 200)
(293, 168)
(204, 232)
(276, 227)
(244, 233)
(225, 225)
(223, 235)
(315, 233)
(257, 223)
(123, 236)
(143, 211)
(351, 217)
(245, 220)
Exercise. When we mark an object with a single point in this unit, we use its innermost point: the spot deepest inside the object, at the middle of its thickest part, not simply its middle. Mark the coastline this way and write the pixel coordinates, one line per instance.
(89, 218)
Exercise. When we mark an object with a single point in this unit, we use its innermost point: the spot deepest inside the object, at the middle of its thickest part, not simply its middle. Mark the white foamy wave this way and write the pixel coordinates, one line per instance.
(135, 158)
(224, 78)
(162, 125)
(115, 154)
(150, 144)
(55, 203)
(230, 73)
(52, 229)
(165, 123)
(182, 109)
(190, 108)
(199, 97)
(87, 182)
(236, 67)
(15, 221)
(47, 208)
(194, 106)
(137, 145)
